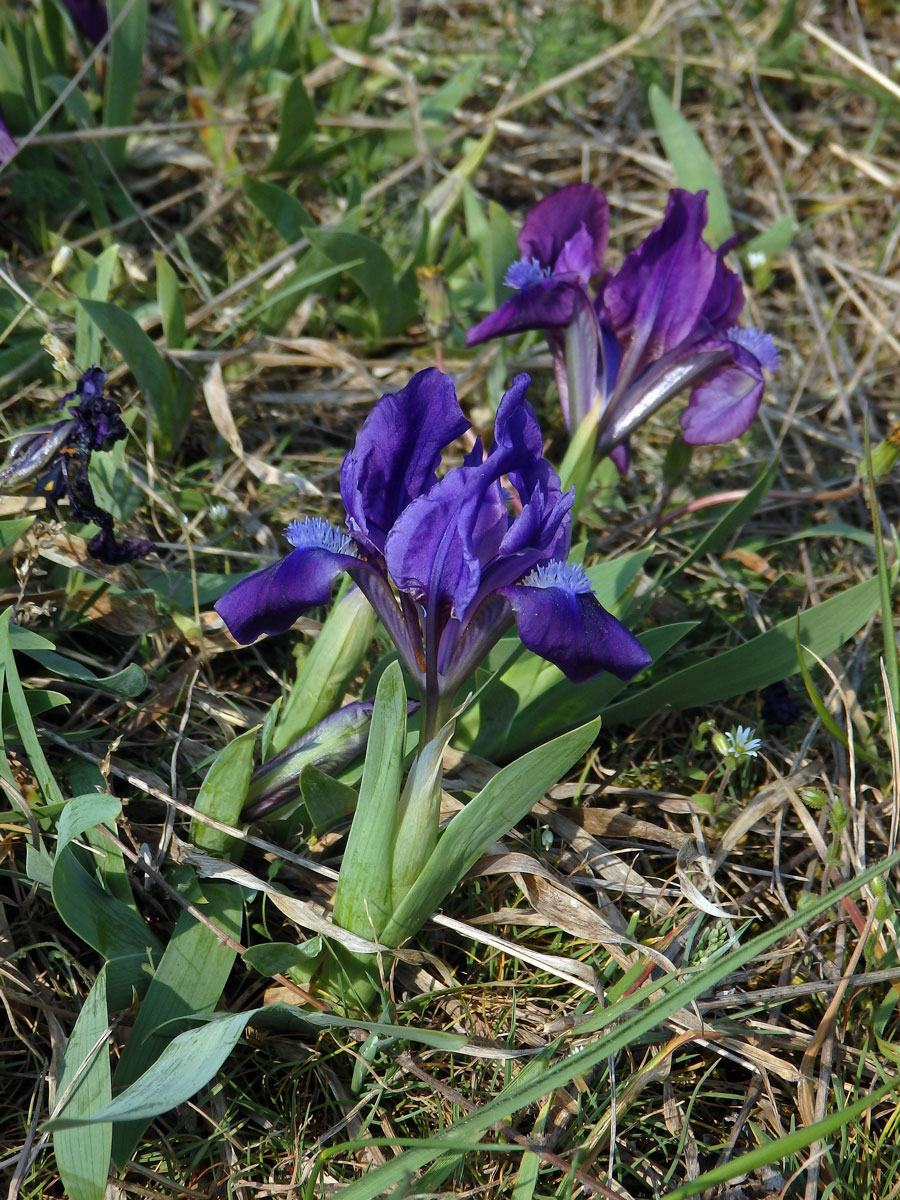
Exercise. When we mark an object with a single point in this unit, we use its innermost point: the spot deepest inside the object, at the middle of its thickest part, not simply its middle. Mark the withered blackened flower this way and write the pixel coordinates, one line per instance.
(58, 459)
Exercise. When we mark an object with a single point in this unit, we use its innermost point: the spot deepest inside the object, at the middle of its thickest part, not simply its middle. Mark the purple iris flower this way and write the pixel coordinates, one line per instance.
(665, 322)
(444, 562)
(563, 242)
(59, 458)
(90, 17)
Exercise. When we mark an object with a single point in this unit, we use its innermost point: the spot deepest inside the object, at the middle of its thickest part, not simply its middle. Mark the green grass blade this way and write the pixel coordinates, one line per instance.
(778, 1150)
(127, 683)
(222, 796)
(733, 519)
(626, 1032)
(296, 127)
(98, 279)
(191, 1059)
(187, 1063)
(189, 980)
(363, 901)
(328, 668)
(506, 799)
(822, 712)
(891, 669)
(22, 715)
(694, 169)
(171, 305)
(123, 71)
(392, 302)
(82, 1155)
(763, 660)
(112, 928)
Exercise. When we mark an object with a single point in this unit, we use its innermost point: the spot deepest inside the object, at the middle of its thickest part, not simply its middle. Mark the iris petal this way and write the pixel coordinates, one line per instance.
(549, 303)
(8, 145)
(672, 288)
(90, 16)
(568, 230)
(271, 600)
(455, 544)
(723, 406)
(571, 629)
(397, 453)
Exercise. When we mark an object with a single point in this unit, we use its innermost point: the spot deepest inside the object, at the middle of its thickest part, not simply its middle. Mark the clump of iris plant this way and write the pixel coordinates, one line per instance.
(664, 323)
(445, 563)
(449, 564)
(57, 459)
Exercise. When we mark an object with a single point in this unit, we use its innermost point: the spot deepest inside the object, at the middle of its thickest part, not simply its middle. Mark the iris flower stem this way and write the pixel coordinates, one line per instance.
(432, 701)
(581, 344)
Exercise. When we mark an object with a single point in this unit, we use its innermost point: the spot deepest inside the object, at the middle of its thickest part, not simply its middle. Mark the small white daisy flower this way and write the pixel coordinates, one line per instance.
(740, 743)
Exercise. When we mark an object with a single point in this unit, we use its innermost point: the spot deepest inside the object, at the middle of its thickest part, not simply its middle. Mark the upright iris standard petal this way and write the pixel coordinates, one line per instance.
(568, 231)
(563, 242)
(458, 542)
(430, 552)
(271, 600)
(397, 453)
(662, 291)
(561, 619)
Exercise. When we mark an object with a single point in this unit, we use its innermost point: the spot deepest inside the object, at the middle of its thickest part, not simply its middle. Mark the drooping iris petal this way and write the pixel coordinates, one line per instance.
(561, 619)
(672, 288)
(568, 231)
(271, 600)
(548, 303)
(68, 479)
(724, 404)
(396, 455)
